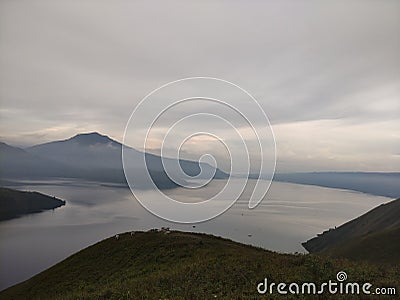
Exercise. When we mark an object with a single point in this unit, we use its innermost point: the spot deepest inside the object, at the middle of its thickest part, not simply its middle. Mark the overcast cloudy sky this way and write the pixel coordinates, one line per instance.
(327, 73)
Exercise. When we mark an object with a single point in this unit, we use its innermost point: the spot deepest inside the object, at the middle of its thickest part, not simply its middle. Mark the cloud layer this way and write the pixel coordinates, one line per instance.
(327, 74)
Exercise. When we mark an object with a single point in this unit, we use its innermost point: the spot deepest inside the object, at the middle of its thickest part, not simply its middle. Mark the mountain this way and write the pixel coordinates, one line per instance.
(86, 151)
(375, 183)
(17, 203)
(18, 163)
(93, 150)
(89, 156)
(374, 236)
(182, 265)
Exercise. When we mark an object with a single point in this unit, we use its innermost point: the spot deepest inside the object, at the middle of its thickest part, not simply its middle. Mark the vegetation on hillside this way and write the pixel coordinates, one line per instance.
(178, 265)
(374, 236)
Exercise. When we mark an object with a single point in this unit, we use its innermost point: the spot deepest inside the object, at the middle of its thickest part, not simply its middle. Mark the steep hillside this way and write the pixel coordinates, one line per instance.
(374, 236)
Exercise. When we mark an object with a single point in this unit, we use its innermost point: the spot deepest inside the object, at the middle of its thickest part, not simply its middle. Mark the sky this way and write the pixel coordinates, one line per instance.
(327, 73)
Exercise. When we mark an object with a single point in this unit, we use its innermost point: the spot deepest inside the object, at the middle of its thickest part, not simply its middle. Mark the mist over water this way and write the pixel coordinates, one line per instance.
(289, 215)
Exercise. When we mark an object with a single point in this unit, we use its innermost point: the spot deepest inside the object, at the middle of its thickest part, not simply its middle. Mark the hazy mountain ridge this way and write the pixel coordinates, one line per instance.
(89, 156)
(375, 183)
(90, 150)
(18, 163)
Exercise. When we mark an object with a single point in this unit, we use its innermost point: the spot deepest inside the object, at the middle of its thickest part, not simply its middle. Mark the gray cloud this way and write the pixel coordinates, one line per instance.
(67, 67)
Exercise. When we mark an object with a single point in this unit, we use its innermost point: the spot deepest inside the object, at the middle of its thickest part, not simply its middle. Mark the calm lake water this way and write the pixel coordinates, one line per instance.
(289, 215)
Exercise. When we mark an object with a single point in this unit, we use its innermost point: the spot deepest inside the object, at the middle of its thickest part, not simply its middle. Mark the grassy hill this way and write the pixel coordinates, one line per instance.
(15, 203)
(178, 265)
(381, 248)
(374, 236)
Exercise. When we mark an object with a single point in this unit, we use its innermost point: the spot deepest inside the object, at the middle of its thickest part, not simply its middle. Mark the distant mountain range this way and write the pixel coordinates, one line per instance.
(374, 236)
(90, 156)
(374, 183)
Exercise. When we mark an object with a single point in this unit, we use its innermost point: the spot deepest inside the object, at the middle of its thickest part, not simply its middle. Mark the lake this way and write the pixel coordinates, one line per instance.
(289, 215)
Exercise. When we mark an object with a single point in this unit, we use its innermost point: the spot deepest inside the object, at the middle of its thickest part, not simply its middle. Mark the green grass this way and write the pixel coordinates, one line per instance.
(381, 248)
(155, 265)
